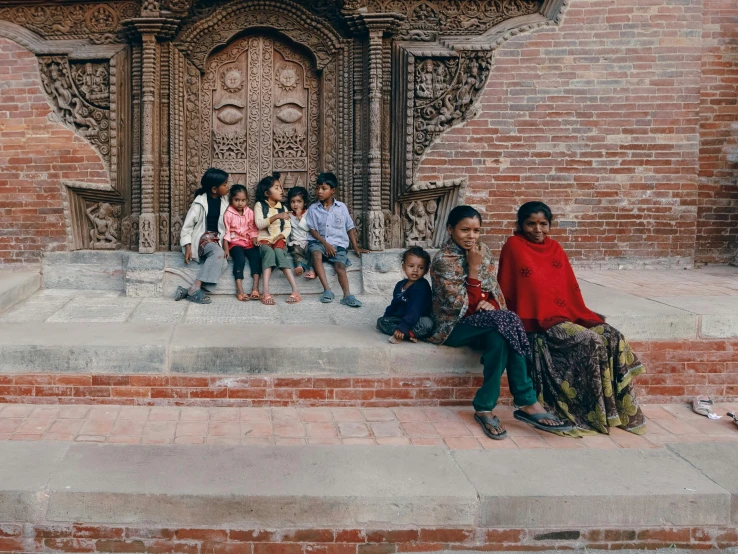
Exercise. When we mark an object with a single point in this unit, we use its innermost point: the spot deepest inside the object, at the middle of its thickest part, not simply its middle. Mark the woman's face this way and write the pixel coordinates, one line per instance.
(466, 232)
(536, 227)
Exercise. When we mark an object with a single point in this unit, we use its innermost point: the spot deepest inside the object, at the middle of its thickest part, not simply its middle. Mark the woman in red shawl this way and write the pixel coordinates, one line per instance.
(582, 367)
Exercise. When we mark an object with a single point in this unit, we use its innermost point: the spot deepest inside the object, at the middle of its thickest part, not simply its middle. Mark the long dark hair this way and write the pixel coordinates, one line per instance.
(530, 208)
(264, 185)
(211, 179)
(462, 212)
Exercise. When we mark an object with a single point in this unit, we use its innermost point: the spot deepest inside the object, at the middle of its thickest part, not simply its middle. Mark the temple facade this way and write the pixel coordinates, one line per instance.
(387, 94)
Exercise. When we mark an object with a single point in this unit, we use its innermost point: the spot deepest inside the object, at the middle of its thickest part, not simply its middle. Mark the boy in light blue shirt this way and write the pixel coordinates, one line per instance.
(332, 230)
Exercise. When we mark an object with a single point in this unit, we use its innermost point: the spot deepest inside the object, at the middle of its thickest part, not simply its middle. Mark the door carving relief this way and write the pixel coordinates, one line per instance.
(261, 112)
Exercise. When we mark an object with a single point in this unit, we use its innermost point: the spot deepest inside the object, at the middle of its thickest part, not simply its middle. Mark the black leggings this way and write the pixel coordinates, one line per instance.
(239, 254)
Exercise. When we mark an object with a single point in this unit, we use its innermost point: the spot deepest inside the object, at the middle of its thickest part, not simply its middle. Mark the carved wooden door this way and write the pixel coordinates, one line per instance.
(260, 103)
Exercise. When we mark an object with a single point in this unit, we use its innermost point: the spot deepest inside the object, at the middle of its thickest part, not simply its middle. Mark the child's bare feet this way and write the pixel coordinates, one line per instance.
(299, 270)
(309, 274)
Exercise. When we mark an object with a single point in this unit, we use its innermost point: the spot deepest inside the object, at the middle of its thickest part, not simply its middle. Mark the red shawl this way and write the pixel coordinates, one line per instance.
(539, 285)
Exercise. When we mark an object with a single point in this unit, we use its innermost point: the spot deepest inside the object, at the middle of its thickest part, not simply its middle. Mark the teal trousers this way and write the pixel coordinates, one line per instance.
(496, 356)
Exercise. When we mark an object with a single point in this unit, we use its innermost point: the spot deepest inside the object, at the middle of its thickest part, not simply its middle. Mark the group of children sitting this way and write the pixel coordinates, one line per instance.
(220, 225)
(297, 240)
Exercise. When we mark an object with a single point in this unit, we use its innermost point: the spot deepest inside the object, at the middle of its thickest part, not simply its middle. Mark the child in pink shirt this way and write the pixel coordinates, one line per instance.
(239, 240)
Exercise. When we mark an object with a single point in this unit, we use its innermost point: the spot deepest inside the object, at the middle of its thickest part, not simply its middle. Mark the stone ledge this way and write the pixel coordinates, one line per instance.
(356, 487)
(16, 286)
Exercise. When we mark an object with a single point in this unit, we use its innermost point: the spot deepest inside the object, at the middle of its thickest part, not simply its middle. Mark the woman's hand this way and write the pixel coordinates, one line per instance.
(474, 256)
(485, 306)
(188, 253)
(399, 335)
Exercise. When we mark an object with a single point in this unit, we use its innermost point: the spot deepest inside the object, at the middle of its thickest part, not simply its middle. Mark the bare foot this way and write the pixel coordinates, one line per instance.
(538, 409)
(242, 296)
(299, 270)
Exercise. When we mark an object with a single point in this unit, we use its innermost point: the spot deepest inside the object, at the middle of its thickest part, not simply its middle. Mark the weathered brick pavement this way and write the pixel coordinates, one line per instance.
(453, 428)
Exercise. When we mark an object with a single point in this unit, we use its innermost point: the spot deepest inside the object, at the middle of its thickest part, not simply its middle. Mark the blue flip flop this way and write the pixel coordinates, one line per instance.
(327, 297)
(352, 301)
(535, 421)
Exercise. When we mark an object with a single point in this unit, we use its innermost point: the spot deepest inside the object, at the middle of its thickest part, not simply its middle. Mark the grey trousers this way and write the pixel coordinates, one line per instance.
(423, 328)
(212, 264)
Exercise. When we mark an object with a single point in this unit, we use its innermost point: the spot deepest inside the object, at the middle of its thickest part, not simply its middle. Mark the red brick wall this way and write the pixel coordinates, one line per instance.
(717, 227)
(599, 117)
(36, 155)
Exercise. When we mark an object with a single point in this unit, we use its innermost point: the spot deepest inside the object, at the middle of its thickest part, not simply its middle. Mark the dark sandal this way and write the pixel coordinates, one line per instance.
(199, 297)
(535, 419)
(485, 420)
(181, 293)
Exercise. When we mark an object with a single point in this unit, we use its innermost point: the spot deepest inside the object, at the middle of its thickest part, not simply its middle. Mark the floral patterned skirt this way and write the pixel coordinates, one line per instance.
(586, 376)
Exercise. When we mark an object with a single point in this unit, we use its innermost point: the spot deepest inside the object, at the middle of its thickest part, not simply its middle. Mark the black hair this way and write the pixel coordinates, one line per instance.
(298, 191)
(264, 185)
(211, 179)
(530, 208)
(418, 252)
(462, 212)
(235, 189)
(329, 179)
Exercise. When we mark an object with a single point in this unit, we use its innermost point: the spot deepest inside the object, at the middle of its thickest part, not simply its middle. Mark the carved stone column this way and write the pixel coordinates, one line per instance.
(375, 215)
(150, 30)
(376, 27)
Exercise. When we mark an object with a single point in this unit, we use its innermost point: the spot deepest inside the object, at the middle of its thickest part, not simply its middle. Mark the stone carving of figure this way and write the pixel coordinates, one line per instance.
(104, 231)
(419, 222)
(424, 88)
(69, 108)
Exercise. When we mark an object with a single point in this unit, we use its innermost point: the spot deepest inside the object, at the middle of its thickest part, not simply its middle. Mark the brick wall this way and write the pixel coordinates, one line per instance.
(600, 118)
(36, 155)
(717, 228)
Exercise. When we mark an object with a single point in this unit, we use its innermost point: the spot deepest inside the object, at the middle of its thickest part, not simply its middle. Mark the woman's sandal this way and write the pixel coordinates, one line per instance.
(294, 298)
(242, 297)
(494, 422)
(199, 297)
(181, 293)
(267, 300)
(255, 295)
(535, 421)
(702, 405)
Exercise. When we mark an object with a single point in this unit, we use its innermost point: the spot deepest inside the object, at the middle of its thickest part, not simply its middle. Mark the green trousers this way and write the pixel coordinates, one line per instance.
(497, 355)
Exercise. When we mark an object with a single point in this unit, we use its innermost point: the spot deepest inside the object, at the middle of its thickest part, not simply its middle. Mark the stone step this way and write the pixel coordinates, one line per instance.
(219, 349)
(361, 488)
(16, 286)
(154, 275)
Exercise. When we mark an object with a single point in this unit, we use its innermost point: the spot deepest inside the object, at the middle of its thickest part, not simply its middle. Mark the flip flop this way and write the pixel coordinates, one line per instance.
(351, 301)
(199, 297)
(485, 420)
(294, 298)
(702, 405)
(181, 294)
(242, 297)
(255, 295)
(327, 297)
(267, 300)
(535, 419)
